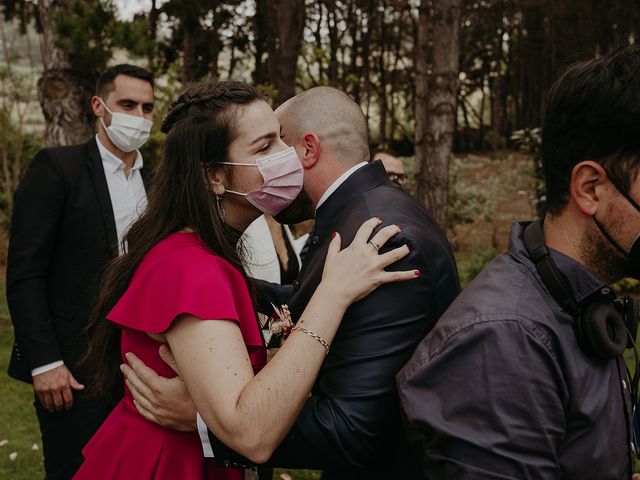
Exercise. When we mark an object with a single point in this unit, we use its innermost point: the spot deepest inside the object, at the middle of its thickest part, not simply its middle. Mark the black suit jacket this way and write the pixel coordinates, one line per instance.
(63, 233)
(351, 425)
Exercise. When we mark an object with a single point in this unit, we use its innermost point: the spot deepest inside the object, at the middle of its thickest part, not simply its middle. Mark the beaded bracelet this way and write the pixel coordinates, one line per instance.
(314, 335)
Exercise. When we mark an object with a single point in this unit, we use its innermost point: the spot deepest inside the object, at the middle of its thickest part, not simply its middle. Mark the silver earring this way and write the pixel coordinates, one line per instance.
(220, 207)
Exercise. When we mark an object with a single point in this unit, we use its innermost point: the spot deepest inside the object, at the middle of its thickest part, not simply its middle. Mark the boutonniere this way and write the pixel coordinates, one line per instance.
(278, 326)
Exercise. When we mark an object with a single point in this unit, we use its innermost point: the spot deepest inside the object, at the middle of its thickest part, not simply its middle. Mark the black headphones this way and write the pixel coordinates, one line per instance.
(604, 327)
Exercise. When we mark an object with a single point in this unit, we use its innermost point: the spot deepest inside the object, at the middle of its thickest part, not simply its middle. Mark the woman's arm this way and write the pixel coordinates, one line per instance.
(252, 414)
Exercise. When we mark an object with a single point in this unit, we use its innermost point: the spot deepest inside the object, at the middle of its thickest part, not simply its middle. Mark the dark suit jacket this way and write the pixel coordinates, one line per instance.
(63, 233)
(351, 426)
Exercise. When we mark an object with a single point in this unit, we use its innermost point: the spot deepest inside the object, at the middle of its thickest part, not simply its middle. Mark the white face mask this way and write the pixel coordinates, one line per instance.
(126, 132)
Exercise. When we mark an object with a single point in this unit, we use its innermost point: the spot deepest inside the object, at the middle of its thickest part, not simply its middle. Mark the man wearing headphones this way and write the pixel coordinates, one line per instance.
(523, 375)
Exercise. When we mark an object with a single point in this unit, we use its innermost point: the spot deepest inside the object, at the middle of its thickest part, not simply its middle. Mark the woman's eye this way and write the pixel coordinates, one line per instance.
(265, 148)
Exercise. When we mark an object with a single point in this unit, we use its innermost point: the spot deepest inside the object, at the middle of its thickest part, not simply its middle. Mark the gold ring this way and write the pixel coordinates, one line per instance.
(374, 245)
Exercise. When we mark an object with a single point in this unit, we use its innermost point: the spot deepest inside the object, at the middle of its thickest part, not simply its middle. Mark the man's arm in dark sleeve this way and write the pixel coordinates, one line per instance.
(268, 293)
(353, 410)
(350, 419)
(38, 205)
(487, 404)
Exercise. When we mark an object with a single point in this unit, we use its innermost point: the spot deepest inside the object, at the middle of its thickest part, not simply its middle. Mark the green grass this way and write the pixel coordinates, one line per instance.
(18, 422)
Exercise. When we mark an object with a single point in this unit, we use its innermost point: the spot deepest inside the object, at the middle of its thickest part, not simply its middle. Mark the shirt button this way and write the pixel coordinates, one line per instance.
(295, 285)
(624, 384)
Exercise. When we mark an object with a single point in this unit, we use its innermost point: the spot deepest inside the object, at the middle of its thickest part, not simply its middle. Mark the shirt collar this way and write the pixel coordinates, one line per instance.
(339, 181)
(112, 163)
(582, 281)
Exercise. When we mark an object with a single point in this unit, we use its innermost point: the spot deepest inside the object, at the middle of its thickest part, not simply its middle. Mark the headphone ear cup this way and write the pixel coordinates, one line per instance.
(602, 331)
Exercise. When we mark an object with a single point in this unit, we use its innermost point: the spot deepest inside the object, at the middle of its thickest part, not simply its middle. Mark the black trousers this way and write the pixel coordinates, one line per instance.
(64, 434)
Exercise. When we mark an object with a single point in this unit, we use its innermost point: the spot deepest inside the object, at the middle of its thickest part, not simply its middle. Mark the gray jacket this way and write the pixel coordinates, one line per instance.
(500, 389)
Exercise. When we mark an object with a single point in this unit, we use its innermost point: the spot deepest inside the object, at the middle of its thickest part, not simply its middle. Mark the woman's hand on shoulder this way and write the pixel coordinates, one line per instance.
(354, 272)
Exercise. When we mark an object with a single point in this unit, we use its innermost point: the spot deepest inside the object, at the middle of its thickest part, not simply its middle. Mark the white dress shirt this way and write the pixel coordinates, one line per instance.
(128, 199)
(339, 181)
(128, 196)
(262, 261)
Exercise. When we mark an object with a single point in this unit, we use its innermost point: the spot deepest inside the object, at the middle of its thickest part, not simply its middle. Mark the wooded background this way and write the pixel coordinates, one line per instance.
(430, 75)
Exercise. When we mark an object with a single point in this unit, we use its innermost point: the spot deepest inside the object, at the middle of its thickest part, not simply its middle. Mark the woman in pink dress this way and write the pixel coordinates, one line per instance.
(181, 282)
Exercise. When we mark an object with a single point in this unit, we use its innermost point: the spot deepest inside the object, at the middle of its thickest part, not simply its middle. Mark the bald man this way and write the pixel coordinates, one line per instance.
(350, 426)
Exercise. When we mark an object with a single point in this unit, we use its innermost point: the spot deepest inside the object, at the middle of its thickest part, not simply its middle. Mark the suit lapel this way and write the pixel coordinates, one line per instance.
(333, 215)
(367, 177)
(96, 171)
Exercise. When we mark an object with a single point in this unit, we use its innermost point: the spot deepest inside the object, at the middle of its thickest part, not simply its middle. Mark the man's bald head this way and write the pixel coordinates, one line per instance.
(333, 116)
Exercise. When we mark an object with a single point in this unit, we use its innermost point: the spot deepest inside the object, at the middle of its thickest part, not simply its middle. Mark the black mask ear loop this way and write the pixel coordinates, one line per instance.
(629, 199)
(623, 191)
(611, 240)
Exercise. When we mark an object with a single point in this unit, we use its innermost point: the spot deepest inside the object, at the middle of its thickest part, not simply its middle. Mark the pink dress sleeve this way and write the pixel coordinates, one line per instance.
(184, 281)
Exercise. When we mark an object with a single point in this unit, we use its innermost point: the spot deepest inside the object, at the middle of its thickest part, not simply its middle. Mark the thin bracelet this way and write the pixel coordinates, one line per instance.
(314, 335)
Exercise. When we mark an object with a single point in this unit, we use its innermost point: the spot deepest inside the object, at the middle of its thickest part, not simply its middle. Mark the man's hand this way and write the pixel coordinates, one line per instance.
(55, 388)
(635, 476)
(158, 399)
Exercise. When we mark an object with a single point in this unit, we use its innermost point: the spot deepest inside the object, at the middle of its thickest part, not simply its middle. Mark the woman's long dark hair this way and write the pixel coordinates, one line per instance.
(200, 126)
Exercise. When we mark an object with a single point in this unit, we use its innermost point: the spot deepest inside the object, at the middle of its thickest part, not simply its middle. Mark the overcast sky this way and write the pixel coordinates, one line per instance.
(127, 8)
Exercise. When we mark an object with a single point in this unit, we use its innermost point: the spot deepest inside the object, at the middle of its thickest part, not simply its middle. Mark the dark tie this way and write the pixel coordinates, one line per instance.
(305, 248)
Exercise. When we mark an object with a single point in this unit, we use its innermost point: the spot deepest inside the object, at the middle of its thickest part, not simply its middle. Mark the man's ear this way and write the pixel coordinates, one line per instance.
(588, 183)
(97, 107)
(311, 152)
(217, 179)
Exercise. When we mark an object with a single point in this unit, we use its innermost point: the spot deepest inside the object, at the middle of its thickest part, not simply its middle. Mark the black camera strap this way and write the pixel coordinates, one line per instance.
(553, 280)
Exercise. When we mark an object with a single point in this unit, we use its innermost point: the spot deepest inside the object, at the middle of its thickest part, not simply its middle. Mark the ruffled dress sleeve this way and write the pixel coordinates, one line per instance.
(183, 277)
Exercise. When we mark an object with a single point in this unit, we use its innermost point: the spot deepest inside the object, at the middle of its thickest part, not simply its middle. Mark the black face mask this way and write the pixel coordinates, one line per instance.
(299, 210)
(633, 255)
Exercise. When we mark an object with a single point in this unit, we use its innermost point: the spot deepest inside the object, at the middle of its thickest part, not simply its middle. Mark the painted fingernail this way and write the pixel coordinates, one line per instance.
(379, 219)
(333, 235)
(399, 229)
(416, 273)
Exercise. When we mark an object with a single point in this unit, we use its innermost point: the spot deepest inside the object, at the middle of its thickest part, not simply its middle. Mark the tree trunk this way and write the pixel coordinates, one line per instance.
(333, 42)
(382, 74)
(63, 95)
(497, 98)
(483, 100)
(215, 47)
(436, 92)
(536, 57)
(190, 27)
(354, 71)
(260, 27)
(286, 20)
(397, 52)
(153, 34)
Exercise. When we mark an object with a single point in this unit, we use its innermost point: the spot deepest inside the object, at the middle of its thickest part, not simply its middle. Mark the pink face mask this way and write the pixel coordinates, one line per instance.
(282, 176)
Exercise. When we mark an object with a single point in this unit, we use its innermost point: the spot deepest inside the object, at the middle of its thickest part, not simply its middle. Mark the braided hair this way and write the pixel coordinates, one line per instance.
(200, 127)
